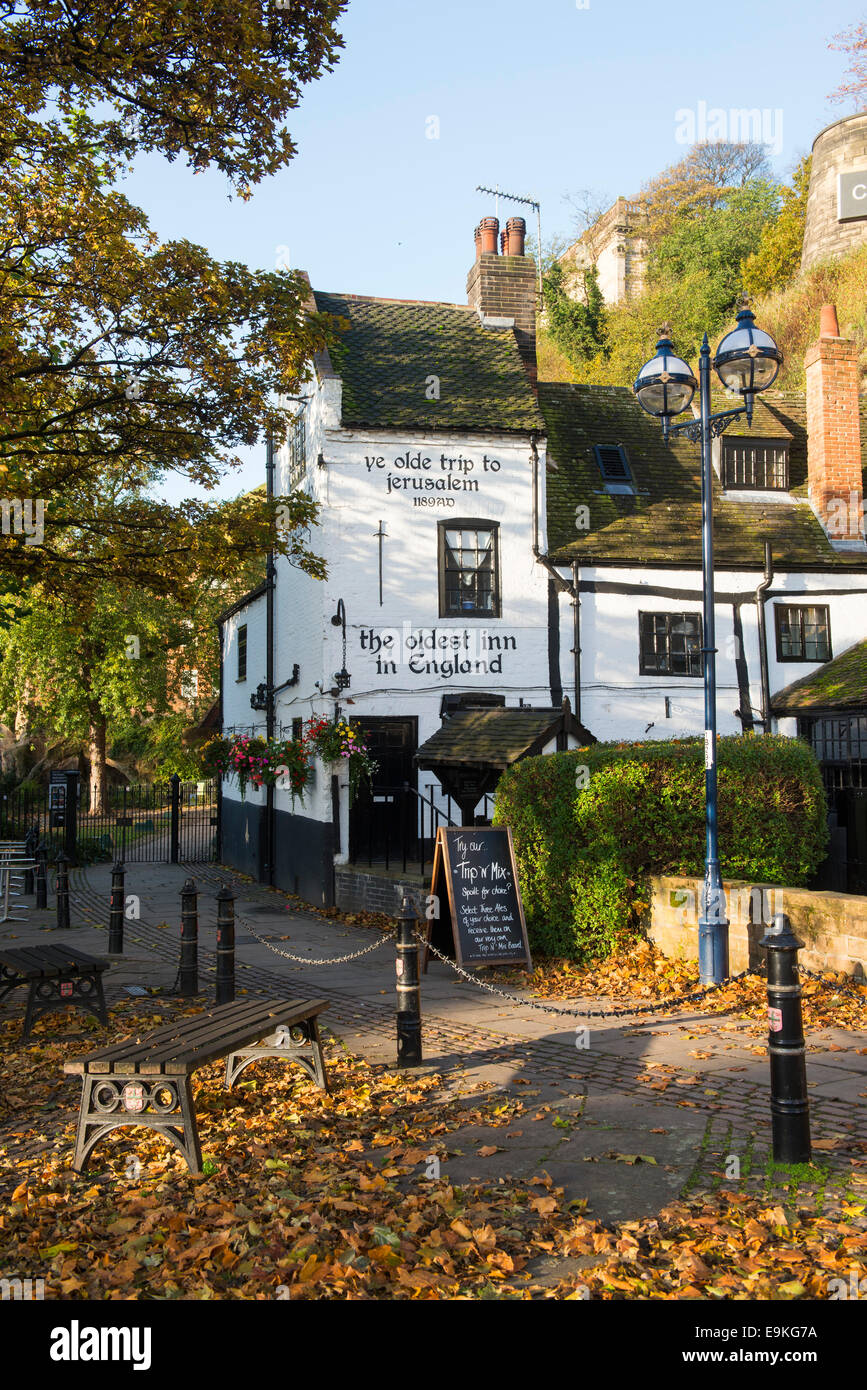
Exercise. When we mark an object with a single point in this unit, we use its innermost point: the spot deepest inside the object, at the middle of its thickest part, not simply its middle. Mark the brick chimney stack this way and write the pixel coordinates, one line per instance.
(503, 287)
(834, 477)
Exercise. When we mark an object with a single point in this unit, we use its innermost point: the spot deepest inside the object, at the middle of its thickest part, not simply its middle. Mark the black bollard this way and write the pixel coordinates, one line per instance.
(790, 1108)
(225, 946)
(41, 875)
(62, 890)
(189, 972)
(115, 913)
(408, 996)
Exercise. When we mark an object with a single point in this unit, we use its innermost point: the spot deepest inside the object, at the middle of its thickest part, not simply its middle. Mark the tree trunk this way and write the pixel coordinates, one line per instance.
(96, 758)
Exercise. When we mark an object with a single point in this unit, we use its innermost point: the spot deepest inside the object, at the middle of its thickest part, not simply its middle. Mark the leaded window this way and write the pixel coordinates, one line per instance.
(670, 644)
(757, 464)
(840, 745)
(296, 442)
(803, 632)
(469, 569)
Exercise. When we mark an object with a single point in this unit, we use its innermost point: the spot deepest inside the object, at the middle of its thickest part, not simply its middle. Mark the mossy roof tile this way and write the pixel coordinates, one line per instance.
(661, 522)
(391, 349)
(494, 737)
(839, 684)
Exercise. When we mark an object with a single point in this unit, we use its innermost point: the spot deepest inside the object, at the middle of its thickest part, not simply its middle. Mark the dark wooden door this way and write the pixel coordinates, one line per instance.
(856, 840)
(383, 814)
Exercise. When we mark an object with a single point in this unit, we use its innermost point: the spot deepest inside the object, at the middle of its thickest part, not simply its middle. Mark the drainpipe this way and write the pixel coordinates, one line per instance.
(563, 585)
(219, 780)
(270, 700)
(763, 638)
(576, 639)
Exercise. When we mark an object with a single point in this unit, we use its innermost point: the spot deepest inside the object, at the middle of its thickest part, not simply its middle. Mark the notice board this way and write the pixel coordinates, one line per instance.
(474, 884)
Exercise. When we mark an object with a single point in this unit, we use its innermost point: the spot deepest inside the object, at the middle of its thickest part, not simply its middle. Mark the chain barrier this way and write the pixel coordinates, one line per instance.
(655, 1007)
(852, 989)
(330, 960)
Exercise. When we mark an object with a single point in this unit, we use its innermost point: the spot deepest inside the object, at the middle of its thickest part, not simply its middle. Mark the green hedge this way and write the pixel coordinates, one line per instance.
(585, 852)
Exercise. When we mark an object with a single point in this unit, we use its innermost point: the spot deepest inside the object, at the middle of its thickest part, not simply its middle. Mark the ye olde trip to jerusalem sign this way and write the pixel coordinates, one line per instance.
(474, 883)
(432, 479)
(852, 195)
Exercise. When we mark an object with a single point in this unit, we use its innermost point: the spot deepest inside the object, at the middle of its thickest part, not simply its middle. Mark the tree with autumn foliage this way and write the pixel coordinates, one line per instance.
(706, 175)
(124, 360)
(211, 83)
(106, 668)
(853, 88)
(777, 258)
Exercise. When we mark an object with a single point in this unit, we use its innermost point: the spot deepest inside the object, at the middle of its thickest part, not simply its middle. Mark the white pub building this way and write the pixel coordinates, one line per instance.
(498, 545)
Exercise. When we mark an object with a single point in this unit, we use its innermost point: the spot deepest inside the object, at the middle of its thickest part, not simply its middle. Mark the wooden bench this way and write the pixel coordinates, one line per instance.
(146, 1080)
(57, 975)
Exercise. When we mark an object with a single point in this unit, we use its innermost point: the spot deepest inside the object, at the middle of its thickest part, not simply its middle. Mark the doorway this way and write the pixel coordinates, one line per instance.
(384, 816)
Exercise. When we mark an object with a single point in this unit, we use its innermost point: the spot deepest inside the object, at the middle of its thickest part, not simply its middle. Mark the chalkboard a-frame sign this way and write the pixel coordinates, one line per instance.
(475, 881)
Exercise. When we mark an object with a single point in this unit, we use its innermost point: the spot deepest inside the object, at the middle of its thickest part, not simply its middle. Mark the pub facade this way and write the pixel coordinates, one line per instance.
(496, 542)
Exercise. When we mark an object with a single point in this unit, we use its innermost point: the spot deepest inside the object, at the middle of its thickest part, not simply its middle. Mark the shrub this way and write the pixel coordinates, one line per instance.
(585, 853)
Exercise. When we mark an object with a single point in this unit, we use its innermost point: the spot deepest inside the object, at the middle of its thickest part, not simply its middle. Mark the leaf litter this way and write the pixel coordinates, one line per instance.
(310, 1196)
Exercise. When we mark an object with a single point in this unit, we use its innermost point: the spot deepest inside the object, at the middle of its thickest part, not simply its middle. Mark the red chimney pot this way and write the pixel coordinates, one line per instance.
(489, 227)
(828, 325)
(516, 230)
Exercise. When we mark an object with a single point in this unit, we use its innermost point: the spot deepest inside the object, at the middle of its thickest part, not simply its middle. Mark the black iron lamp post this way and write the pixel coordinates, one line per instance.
(746, 362)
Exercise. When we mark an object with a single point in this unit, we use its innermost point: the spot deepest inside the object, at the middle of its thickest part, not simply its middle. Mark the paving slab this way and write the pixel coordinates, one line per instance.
(587, 1111)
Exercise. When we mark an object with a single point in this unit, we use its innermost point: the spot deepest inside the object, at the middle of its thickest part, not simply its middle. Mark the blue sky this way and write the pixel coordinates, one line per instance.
(543, 98)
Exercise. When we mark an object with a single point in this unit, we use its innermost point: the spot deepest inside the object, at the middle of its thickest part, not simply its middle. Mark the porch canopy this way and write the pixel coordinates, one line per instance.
(838, 686)
(474, 746)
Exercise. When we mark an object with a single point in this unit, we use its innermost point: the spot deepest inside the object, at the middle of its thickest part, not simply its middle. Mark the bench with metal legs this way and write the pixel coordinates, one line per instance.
(146, 1081)
(56, 976)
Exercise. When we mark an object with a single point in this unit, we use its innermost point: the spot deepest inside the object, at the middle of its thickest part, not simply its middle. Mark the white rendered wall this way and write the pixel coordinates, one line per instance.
(619, 703)
(402, 657)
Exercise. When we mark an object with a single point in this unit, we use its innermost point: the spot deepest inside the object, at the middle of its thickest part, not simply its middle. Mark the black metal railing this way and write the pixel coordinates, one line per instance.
(147, 823)
(396, 827)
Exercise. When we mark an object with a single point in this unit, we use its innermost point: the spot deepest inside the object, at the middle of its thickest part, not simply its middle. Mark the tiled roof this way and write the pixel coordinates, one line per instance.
(494, 737)
(392, 347)
(839, 684)
(661, 523)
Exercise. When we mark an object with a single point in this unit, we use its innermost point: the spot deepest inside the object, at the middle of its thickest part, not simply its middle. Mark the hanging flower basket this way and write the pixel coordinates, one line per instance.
(259, 762)
(337, 742)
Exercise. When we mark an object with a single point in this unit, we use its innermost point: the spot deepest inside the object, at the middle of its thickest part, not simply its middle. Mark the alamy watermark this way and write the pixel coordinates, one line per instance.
(21, 516)
(741, 906)
(853, 1288)
(20, 1290)
(739, 125)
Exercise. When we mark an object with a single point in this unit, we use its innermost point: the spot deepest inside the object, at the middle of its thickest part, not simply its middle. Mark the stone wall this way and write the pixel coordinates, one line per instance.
(832, 926)
(617, 247)
(837, 149)
(357, 891)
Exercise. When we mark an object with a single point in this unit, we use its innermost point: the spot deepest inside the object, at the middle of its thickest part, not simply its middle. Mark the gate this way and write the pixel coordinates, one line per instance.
(168, 822)
(856, 840)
